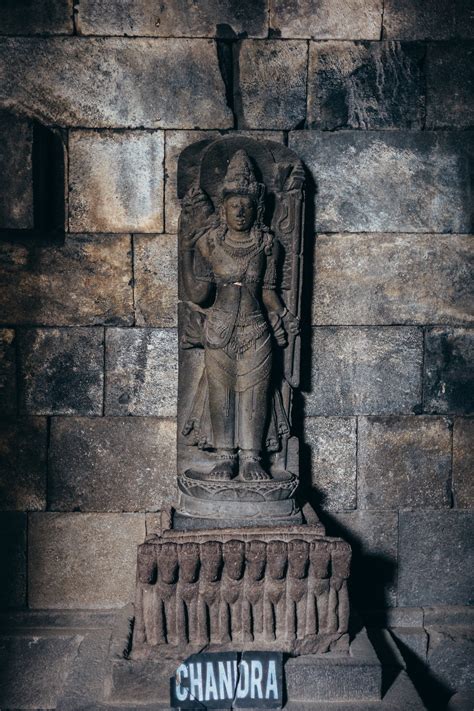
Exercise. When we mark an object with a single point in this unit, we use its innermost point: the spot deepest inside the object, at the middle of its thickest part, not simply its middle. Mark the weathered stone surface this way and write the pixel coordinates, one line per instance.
(177, 141)
(116, 82)
(329, 19)
(85, 281)
(16, 178)
(35, 668)
(61, 371)
(451, 615)
(112, 464)
(217, 18)
(392, 278)
(435, 558)
(463, 463)
(332, 441)
(13, 559)
(388, 181)
(464, 20)
(418, 19)
(141, 372)
(271, 87)
(23, 464)
(116, 181)
(373, 536)
(451, 656)
(47, 17)
(449, 371)
(82, 560)
(365, 371)
(155, 280)
(8, 392)
(365, 85)
(403, 462)
(450, 85)
(415, 640)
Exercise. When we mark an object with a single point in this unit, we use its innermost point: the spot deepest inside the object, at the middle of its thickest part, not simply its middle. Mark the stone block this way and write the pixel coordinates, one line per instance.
(85, 281)
(45, 17)
(388, 181)
(23, 464)
(141, 368)
(373, 536)
(450, 85)
(82, 560)
(449, 371)
(329, 19)
(176, 142)
(8, 390)
(116, 181)
(214, 18)
(392, 279)
(360, 370)
(451, 615)
(155, 280)
(13, 559)
(117, 82)
(418, 19)
(451, 656)
(435, 558)
(61, 371)
(366, 85)
(414, 640)
(35, 668)
(403, 462)
(463, 463)
(112, 464)
(332, 442)
(464, 18)
(16, 170)
(271, 86)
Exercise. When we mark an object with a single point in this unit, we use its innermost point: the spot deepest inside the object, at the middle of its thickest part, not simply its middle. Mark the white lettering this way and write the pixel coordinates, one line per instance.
(244, 681)
(272, 686)
(195, 681)
(226, 681)
(256, 676)
(211, 684)
(182, 671)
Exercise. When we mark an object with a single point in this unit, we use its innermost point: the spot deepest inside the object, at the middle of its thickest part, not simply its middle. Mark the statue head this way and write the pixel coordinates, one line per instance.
(320, 557)
(298, 558)
(234, 559)
(168, 563)
(256, 555)
(188, 556)
(242, 194)
(211, 561)
(277, 559)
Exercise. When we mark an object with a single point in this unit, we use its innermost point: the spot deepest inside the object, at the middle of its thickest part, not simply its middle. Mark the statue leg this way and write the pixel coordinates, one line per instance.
(222, 410)
(253, 416)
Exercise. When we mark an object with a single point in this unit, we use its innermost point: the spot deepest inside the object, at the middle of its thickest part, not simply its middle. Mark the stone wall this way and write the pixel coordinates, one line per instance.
(376, 98)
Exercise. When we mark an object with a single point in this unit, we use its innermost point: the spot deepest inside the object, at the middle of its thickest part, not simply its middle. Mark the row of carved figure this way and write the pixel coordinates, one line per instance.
(241, 592)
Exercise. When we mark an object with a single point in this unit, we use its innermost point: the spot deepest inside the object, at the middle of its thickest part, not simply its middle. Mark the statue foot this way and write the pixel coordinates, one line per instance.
(252, 470)
(224, 470)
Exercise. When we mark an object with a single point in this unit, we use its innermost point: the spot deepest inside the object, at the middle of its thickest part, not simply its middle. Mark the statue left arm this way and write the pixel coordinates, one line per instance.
(283, 322)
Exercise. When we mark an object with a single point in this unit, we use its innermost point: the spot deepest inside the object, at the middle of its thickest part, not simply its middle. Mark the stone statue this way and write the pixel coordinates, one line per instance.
(240, 248)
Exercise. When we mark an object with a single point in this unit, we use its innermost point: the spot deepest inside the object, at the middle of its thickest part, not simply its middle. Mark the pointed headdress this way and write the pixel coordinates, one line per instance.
(240, 177)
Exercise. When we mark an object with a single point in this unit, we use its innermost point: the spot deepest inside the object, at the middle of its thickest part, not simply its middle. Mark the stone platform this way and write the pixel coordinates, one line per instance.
(73, 661)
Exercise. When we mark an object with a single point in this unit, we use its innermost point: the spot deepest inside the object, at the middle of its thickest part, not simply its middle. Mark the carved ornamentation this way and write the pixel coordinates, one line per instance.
(280, 589)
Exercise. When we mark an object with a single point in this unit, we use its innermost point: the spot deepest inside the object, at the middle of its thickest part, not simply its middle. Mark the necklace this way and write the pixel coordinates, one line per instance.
(248, 247)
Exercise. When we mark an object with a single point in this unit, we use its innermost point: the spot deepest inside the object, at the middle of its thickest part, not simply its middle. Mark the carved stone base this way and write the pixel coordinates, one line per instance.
(279, 588)
(235, 503)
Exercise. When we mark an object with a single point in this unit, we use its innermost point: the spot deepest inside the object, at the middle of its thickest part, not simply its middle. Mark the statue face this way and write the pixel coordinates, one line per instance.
(239, 212)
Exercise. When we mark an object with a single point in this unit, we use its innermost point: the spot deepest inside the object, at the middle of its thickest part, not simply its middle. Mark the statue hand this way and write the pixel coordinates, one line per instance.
(291, 323)
(277, 328)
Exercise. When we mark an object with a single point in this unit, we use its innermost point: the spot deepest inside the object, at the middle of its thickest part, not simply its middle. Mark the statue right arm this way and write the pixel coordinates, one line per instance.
(191, 237)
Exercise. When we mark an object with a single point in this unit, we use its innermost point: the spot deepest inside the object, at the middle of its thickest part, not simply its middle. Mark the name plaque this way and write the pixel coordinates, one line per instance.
(229, 680)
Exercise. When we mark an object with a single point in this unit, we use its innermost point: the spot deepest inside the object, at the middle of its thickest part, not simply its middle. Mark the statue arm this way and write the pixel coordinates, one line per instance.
(192, 237)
